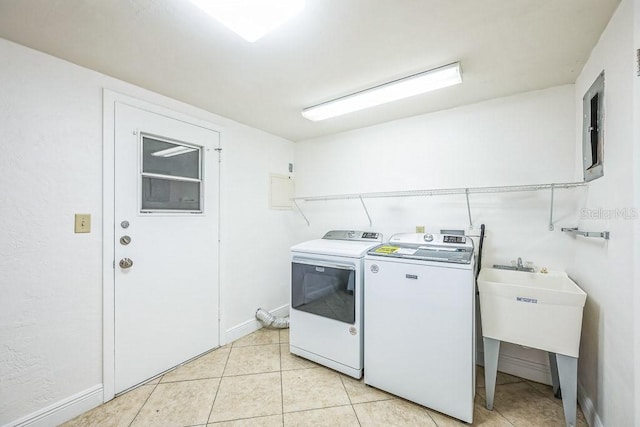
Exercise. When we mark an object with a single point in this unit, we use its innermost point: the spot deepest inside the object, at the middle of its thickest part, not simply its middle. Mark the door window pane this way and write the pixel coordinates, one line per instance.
(171, 178)
(166, 194)
(325, 291)
(165, 158)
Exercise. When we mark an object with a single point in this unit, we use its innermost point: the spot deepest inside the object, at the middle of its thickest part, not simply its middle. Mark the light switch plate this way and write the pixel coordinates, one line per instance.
(419, 228)
(83, 223)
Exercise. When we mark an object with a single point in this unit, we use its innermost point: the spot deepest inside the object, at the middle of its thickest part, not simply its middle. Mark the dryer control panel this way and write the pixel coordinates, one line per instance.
(363, 236)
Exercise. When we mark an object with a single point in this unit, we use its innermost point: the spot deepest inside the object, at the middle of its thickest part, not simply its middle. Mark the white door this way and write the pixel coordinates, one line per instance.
(166, 243)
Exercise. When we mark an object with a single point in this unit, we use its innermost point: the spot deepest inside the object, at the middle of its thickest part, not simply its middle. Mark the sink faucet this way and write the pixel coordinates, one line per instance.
(518, 267)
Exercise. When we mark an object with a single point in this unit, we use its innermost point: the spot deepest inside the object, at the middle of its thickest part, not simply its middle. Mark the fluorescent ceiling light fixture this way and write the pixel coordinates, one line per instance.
(173, 151)
(416, 84)
(251, 19)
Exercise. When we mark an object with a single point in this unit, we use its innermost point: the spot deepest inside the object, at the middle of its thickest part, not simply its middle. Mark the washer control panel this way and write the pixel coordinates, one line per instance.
(454, 239)
(428, 247)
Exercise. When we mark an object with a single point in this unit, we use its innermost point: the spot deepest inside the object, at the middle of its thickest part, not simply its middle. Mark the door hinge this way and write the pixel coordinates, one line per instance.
(114, 264)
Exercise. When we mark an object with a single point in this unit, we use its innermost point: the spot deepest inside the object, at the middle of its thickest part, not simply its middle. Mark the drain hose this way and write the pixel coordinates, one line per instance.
(268, 320)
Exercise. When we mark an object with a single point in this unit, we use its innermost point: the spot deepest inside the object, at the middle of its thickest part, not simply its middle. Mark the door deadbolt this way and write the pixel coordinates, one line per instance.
(125, 263)
(125, 240)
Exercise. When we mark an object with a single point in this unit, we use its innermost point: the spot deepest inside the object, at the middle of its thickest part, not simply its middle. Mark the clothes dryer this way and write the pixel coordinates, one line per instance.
(326, 316)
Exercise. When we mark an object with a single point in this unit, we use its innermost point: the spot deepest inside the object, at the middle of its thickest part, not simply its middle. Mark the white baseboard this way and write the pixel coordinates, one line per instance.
(252, 325)
(530, 370)
(63, 410)
(588, 408)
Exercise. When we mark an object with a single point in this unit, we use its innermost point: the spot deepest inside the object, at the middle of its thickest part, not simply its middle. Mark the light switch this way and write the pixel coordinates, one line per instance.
(83, 223)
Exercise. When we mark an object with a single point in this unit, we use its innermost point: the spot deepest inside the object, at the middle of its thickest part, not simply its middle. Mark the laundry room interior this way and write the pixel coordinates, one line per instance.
(503, 163)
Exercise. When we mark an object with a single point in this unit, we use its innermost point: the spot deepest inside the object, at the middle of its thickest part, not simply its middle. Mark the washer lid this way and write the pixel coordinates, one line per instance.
(353, 248)
(427, 247)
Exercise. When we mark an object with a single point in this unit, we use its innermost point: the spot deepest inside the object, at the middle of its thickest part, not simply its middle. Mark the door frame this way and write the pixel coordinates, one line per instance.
(108, 221)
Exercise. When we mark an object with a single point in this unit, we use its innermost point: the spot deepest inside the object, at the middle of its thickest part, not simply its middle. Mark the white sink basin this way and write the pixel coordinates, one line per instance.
(539, 310)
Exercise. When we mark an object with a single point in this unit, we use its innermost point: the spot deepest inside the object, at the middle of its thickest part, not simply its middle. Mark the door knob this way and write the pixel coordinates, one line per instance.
(125, 263)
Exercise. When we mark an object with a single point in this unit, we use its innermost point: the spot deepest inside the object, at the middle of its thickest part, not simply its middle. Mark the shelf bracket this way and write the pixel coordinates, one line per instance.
(551, 228)
(466, 193)
(366, 211)
(574, 230)
(301, 213)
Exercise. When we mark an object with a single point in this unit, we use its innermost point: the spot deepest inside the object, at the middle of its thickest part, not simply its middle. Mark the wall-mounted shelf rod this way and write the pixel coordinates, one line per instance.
(441, 192)
(301, 213)
(366, 211)
(602, 234)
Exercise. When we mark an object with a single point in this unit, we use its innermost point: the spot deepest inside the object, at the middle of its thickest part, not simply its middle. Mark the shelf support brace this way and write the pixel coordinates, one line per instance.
(301, 213)
(551, 209)
(366, 211)
(466, 193)
(574, 230)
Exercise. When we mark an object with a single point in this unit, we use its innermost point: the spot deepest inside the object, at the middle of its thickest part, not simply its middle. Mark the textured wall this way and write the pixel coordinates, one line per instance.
(51, 278)
(523, 139)
(605, 269)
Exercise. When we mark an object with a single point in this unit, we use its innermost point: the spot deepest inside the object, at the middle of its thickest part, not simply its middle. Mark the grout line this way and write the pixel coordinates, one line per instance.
(431, 418)
(189, 379)
(350, 401)
(318, 409)
(218, 389)
(553, 399)
(240, 419)
(257, 345)
(145, 401)
(494, 405)
(503, 417)
(345, 389)
(281, 383)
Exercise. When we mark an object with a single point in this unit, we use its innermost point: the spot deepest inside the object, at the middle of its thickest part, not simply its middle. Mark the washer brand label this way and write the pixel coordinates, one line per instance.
(529, 300)
(411, 276)
(320, 269)
(374, 268)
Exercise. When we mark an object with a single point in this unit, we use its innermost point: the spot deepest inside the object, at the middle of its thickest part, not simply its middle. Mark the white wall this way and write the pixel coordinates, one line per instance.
(51, 278)
(523, 139)
(636, 255)
(605, 269)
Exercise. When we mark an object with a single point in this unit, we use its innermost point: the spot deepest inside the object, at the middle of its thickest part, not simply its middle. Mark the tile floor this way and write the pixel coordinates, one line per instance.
(255, 381)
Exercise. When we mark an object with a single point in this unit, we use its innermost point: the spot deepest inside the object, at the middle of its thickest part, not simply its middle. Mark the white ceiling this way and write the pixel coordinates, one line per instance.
(334, 47)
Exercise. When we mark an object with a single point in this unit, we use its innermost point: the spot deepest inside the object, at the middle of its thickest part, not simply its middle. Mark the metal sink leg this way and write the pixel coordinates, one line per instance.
(568, 373)
(555, 380)
(491, 353)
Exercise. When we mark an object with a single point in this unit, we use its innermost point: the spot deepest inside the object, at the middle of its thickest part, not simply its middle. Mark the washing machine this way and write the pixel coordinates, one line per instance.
(420, 321)
(326, 314)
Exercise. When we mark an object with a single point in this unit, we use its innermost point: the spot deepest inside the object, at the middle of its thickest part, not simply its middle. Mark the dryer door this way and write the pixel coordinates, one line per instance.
(324, 289)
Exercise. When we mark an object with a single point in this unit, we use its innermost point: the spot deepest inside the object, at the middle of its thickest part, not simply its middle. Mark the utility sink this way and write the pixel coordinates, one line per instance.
(538, 310)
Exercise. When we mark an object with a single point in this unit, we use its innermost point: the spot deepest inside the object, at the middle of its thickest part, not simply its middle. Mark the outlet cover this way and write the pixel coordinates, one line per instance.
(83, 223)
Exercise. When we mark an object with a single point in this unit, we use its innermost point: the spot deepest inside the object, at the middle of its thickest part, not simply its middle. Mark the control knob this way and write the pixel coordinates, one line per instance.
(428, 237)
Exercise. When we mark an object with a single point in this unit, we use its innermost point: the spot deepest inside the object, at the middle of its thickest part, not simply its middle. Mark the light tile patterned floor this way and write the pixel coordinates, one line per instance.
(255, 381)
